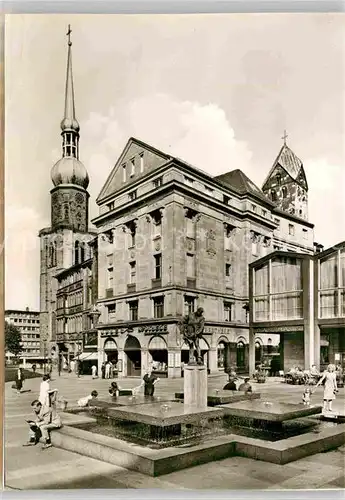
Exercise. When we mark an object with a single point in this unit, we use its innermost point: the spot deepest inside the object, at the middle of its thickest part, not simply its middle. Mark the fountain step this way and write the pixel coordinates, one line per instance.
(167, 414)
(268, 411)
(224, 397)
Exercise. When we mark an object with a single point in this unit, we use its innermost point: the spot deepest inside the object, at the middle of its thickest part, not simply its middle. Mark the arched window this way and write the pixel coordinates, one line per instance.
(284, 192)
(66, 211)
(258, 352)
(240, 354)
(76, 252)
(278, 179)
(82, 252)
(273, 195)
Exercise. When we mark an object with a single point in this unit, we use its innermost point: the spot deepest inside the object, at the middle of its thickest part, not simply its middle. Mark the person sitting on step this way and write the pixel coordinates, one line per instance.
(45, 420)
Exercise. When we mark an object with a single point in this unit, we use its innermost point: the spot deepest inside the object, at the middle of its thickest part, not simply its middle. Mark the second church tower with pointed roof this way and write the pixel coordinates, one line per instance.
(286, 184)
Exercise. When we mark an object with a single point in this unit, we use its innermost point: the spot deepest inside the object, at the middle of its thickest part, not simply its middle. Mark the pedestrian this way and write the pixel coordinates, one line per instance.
(83, 402)
(330, 387)
(111, 370)
(94, 371)
(45, 420)
(19, 380)
(34, 368)
(107, 370)
(103, 370)
(149, 382)
(72, 365)
(245, 386)
(114, 389)
(43, 397)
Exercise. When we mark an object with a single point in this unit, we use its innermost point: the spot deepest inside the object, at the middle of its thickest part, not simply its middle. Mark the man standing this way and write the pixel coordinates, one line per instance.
(107, 370)
(46, 419)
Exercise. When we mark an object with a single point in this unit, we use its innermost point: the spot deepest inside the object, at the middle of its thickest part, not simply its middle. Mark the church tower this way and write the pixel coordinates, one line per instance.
(286, 184)
(64, 243)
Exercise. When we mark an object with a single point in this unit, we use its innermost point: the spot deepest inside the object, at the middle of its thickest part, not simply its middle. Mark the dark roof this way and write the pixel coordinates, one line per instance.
(238, 181)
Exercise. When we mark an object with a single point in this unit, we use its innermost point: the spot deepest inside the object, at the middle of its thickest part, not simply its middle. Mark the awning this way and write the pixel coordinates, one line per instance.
(88, 356)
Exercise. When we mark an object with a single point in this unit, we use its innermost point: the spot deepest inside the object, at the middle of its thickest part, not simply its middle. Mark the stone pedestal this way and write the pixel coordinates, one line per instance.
(195, 386)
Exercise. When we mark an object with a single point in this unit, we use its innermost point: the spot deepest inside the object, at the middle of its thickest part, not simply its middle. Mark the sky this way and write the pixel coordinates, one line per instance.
(215, 90)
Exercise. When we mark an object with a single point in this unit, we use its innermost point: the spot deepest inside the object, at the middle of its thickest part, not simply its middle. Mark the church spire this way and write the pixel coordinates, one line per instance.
(69, 124)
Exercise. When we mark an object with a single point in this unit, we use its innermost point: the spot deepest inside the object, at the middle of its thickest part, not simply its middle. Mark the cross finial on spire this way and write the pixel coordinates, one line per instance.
(69, 35)
(285, 136)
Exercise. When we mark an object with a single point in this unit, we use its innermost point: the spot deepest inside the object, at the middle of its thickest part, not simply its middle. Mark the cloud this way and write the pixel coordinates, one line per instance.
(326, 184)
(198, 133)
(22, 254)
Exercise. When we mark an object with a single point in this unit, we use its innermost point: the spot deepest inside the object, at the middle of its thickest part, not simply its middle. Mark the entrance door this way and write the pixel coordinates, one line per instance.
(133, 353)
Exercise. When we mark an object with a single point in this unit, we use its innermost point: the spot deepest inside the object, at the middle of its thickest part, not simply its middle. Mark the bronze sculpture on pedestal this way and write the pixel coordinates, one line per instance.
(192, 327)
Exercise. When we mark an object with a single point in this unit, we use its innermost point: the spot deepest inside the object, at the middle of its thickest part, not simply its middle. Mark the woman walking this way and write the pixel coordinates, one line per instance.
(19, 380)
(330, 387)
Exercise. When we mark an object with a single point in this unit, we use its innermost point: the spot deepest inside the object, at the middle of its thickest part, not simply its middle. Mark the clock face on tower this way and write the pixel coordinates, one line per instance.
(79, 198)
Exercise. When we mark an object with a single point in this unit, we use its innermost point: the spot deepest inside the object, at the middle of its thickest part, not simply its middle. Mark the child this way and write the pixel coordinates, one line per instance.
(306, 396)
(83, 402)
(114, 389)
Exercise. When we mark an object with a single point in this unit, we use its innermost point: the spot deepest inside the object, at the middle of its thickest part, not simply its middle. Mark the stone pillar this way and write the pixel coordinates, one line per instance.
(100, 361)
(144, 361)
(317, 345)
(174, 363)
(212, 360)
(251, 352)
(122, 360)
(195, 386)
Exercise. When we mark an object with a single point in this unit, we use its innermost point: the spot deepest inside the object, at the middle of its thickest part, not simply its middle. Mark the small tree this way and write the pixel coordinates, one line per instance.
(12, 339)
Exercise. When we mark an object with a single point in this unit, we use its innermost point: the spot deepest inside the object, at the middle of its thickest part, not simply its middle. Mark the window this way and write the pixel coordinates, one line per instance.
(132, 167)
(190, 265)
(273, 195)
(284, 192)
(305, 234)
(158, 266)
(132, 232)
(264, 213)
(291, 230)
(158, 182)
(254, 208)
(110, 272)
(141, 157)
(189, 304)
(111, 205)
(133, 310)
(111, 311)
(279, 179)
(228, 270)
(226, 199)
(132, 272)
(158, 307)
(227, 311)
(157, 223)
(133, 195)
(190, 224)
(124, 173)
(188, 180)
(300, 212)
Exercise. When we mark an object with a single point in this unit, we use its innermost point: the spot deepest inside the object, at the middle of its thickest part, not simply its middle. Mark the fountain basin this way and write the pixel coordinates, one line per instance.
(269, 411)
(221, 397)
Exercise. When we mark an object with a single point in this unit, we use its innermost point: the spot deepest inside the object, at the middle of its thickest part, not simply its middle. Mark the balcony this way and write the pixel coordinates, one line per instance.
(131, 288)
(191, 283)
(109, 293)
(156, 282)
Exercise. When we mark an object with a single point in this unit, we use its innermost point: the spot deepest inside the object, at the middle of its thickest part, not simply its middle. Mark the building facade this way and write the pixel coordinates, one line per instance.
(171, 238)
(302, 298)
(65, 243)
(28, 323)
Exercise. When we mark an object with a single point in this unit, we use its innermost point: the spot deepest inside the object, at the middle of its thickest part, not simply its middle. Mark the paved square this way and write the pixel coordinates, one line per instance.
(33, 468)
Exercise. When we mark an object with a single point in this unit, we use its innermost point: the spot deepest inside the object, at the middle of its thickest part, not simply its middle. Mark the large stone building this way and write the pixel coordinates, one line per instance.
(302, 298)
(28, 323)
(65, 243)
(172, 238)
